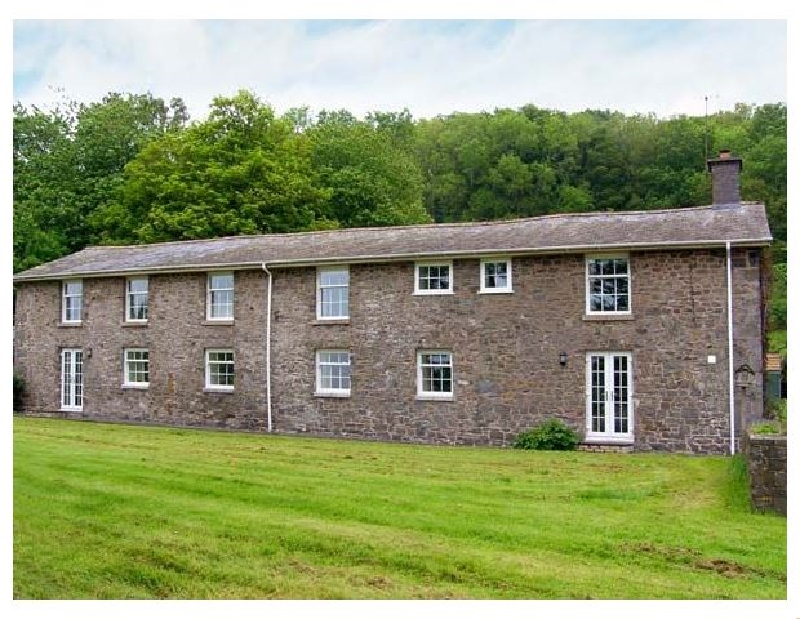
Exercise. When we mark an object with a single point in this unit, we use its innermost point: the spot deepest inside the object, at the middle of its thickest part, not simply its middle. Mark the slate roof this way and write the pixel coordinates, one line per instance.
(742, 224)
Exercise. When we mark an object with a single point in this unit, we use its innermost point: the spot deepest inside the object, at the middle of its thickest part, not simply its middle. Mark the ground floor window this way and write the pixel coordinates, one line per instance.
(72, 379)
(333, 372)
(435, 373)
(609, 396)
(219, 370)
(137, 367)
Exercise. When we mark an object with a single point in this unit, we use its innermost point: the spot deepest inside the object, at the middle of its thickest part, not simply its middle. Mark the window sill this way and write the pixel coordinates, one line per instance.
(71, 409)
(434, 398)
(218, 390)
(217, 323)
(490, 291)
(437, 293)
(330, 394)
(69, 325)
(607, 317)
(134, 323)
(608, 440)
(331, 321)
(135, 386)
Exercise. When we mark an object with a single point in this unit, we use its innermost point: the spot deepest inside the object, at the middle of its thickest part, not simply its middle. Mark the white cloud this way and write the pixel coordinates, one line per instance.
(661, 67)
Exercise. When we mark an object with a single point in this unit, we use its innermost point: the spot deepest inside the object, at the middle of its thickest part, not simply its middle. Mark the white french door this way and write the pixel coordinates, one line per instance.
(72, 379)
(609, 396)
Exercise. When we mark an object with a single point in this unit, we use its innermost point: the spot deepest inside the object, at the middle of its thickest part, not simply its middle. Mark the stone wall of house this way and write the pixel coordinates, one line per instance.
(766, 470)
(176, 336)
(505, 347)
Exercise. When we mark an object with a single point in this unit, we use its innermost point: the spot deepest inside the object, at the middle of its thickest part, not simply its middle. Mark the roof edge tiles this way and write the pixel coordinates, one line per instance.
(704, 226)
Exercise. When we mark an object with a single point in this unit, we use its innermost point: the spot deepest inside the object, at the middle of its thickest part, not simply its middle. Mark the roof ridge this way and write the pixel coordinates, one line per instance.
(455, 224)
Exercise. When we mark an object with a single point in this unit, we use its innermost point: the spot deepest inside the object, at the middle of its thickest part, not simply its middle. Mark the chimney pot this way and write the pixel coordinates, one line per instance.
(724, 154)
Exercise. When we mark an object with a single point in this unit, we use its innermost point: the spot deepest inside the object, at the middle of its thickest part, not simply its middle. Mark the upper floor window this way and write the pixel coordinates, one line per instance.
(608, 284)
(136, 299)
(72, 305)
(333, 285)
(219, 301)
(496, 275)
(433, 278)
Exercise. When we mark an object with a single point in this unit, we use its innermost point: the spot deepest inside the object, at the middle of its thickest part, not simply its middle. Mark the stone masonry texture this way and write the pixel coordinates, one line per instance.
(505, 347)
(766, 470)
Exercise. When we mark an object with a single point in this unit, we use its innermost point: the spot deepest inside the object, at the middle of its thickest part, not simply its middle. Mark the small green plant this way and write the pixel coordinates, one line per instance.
(776, 409)
(19, 391)
(766, 427)
(551, 435)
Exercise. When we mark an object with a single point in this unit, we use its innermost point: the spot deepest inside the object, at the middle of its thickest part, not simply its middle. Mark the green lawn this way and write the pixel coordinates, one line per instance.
(111, 511)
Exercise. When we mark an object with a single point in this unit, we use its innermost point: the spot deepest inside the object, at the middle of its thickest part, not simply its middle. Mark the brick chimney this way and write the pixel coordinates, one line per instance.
(725, 178)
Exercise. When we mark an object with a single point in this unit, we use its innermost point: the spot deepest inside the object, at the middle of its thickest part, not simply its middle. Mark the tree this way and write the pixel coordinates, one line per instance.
(242, 171)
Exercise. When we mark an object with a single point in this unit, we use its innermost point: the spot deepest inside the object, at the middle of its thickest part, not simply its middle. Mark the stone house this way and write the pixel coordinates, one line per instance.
(642, 330)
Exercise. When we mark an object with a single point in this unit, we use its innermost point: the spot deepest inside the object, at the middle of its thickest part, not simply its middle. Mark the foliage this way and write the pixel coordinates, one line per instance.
(68, 164)
(777, 302)
(140, 515)
(766, 427)
(132, 169)
(19, 392)
(553, 434)
(776, 409)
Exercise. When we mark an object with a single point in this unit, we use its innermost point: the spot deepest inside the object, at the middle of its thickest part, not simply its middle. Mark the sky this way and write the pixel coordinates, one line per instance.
(431, 67)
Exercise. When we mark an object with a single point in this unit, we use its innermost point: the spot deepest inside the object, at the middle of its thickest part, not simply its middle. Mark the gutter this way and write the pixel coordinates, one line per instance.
(730, 344)
(384, 258)
(269, 346)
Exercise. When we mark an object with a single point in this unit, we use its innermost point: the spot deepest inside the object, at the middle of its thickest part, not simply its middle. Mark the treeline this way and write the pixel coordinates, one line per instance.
(135, 169)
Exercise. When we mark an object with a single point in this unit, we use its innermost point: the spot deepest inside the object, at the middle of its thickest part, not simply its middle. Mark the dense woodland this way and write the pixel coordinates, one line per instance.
(136, 169)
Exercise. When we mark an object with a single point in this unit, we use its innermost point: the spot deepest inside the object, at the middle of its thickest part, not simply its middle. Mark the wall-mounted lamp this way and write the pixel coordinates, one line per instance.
(562, 358)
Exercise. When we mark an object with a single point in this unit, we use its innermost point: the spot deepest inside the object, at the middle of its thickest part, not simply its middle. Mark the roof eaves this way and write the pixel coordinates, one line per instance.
(757, 242)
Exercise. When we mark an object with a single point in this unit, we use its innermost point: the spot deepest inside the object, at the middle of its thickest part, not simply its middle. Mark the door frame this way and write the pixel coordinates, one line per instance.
(72, 372)
(609, 436)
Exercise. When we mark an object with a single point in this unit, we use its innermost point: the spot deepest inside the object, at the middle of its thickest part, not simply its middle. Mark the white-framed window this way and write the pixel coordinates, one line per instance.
(72, 301)
(433, 278)
(72, 379)
(333, 285)
(333, 372)
(609, 396)
(137, 367)
(220, 369)
(608, 284)
(136, 299)
(435, 374)
(496, 275)
(219, 301)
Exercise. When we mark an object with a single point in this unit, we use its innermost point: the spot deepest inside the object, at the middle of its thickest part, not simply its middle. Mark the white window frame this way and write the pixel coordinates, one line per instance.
(70, 402)
(588, 278)
(328, 391)
(496, 290)
(64, 297)
(208, 363)
(320, 287)
(609, 436)
(129, 294)
(126, 361)
(437, 291)
(434, 395)
(210, 296)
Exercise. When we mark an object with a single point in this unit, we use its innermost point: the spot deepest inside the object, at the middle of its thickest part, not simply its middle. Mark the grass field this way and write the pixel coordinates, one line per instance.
(111, 511)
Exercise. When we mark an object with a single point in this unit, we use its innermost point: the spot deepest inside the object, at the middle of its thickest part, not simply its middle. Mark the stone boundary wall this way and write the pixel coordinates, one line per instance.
(766, 470)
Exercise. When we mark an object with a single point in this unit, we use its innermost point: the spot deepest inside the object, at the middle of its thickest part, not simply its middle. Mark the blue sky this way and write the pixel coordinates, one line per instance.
(431, 67)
